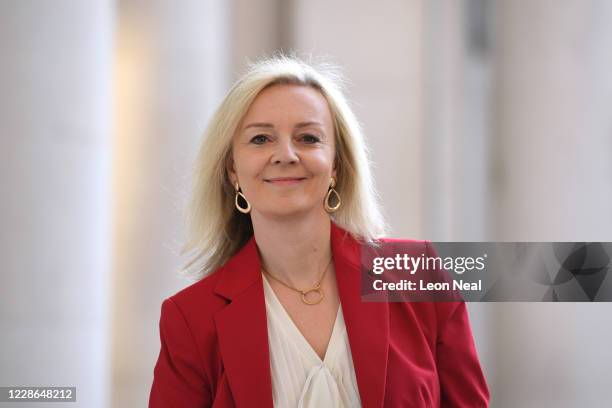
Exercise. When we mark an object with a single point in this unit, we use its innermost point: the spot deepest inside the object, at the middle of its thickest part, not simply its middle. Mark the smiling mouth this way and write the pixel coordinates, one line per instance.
(285, 180)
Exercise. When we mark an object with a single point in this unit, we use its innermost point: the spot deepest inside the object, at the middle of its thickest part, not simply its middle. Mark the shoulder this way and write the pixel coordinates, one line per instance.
(200, 296)
(392, 246)
(422, 244)
(402, 240)
(189, 346)
(408, 242)
(187, 323)
(195, 307)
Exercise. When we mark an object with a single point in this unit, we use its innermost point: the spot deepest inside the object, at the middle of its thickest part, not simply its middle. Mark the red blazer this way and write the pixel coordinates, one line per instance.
(214, 342)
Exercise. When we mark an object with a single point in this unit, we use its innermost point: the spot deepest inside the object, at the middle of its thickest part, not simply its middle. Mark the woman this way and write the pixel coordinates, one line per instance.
(283, 201)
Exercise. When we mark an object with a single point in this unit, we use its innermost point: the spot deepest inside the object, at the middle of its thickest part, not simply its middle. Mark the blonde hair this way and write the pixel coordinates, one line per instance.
(216, 230)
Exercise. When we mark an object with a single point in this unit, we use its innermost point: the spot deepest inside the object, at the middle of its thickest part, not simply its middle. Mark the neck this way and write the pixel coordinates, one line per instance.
(294, 250)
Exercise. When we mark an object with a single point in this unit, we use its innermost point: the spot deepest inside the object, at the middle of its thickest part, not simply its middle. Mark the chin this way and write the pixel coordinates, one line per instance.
(288, 210)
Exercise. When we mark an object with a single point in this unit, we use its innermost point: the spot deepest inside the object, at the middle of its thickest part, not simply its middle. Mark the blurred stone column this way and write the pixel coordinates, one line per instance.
(257, 29)
(457, 93)
(553, 182)
(444, 97)
(55, 215)
(172, 69)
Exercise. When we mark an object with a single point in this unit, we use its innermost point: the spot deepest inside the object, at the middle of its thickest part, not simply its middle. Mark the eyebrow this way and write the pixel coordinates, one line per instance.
(269, 125)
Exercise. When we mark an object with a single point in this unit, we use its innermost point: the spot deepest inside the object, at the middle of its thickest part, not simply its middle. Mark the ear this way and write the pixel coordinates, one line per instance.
(335, 169)
(230, 168)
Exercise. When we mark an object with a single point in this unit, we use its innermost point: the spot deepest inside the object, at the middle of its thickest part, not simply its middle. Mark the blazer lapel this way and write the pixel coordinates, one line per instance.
(242, 328)
(367, 324)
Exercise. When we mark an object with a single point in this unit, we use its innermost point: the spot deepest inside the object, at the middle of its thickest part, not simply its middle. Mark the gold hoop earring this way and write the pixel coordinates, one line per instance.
(328, 207)
(244, 210)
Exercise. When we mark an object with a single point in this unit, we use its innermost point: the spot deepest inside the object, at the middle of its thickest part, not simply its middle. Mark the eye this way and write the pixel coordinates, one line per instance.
(310, 139)
(259, 139)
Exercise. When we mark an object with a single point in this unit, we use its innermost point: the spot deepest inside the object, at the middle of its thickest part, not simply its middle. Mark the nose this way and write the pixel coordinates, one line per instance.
(285, 152)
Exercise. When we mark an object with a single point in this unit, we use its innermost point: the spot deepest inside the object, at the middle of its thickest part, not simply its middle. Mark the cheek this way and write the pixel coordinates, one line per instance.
(321, 168)
(321, 163)
(248, 165)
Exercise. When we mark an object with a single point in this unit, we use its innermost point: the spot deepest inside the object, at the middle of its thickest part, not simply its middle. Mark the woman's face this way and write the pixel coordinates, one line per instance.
(283, 152)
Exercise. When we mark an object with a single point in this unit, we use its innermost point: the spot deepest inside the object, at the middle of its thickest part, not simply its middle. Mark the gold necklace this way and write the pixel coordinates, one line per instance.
(315, 289)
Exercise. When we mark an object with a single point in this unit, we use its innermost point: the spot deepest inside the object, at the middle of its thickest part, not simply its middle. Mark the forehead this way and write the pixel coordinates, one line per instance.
(289, 102)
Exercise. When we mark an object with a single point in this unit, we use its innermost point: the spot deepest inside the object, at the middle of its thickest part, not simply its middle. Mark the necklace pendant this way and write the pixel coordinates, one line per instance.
(318, 291)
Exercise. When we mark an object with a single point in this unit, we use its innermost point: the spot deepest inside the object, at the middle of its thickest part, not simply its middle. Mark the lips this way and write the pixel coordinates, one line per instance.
(284, 180)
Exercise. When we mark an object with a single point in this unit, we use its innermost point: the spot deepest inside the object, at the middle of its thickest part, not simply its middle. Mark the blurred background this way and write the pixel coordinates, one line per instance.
(487, 120)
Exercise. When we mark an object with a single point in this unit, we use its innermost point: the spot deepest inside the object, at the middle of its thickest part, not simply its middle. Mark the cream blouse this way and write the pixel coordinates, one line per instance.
(299, 377)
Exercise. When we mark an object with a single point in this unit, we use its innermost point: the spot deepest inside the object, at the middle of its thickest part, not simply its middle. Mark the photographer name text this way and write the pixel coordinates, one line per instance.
(408, 285)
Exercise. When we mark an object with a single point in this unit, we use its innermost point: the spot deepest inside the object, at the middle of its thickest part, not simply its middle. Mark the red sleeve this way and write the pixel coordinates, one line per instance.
(462, 382)
(178, 379)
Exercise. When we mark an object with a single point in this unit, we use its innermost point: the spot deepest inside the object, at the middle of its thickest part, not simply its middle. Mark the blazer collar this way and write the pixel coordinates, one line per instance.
(243, 332)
